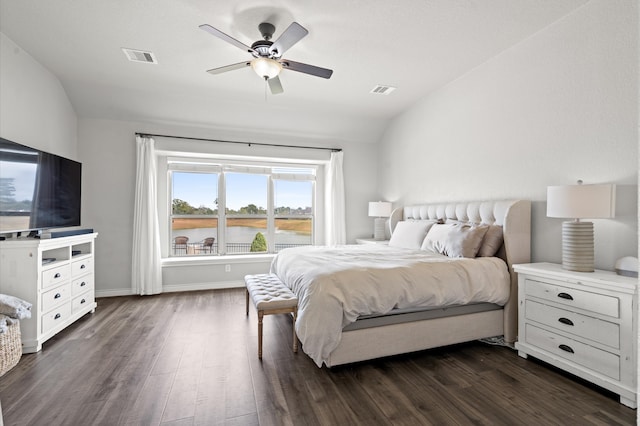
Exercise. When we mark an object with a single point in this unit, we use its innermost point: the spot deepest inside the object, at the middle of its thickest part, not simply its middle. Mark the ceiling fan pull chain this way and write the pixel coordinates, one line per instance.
(266, 83)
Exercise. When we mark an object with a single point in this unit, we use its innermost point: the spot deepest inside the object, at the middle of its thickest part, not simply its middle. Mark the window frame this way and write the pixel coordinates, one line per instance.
(272, 169)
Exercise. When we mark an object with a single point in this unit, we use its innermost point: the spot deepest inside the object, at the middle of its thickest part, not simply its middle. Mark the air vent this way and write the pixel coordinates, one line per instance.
(140, 56)
(382, 90)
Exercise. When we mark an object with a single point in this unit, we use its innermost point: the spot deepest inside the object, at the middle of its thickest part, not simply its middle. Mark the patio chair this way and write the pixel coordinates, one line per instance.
(207, 245)
(180, 244)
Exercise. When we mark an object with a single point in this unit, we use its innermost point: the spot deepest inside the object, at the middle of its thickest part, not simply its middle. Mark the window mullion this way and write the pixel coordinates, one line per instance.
(271, 232)
(222, 214)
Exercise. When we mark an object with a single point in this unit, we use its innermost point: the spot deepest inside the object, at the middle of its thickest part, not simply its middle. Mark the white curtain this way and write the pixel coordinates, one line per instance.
(335, 224)
(146, 275)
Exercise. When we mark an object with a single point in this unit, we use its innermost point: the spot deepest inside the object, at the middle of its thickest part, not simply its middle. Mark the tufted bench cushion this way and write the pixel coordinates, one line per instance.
(268, 292)
(271, 296)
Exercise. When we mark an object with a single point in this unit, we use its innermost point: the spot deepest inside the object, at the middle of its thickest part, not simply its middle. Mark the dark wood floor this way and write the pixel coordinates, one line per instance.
(191, 358)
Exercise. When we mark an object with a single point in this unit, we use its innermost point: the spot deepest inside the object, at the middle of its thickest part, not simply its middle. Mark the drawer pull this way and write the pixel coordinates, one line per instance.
(83, 266)
(82, 284)
(566, 321)
(566, 348)
(57, 316)
(57, 296)
(82, 301)
(565, 296)
(57, 275)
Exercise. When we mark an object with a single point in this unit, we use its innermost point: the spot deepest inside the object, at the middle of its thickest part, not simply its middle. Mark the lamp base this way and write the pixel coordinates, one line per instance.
(577, 246)
(378, 229)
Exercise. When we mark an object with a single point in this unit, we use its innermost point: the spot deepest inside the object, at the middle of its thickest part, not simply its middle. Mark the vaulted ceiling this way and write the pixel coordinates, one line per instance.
(416, 46)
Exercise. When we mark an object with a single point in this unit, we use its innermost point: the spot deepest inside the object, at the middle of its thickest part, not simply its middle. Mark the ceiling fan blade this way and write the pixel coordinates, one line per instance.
(306, 68)
(229, 67)
(216, 32)
(293, 34)
(275, 85)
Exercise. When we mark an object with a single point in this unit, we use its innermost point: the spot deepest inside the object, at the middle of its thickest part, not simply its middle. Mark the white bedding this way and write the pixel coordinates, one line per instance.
(336, 285)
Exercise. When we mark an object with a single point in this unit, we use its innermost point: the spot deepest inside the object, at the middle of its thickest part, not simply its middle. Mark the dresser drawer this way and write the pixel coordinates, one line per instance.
(595, 359)
(593, 302)
(82, 284)
(604, 332)
(56, 275)
(55, 297)
(81, 267)
(80, 302)
(58, 316)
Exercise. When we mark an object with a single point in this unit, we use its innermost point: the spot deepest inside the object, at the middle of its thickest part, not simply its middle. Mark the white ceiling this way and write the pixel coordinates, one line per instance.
(414, 45)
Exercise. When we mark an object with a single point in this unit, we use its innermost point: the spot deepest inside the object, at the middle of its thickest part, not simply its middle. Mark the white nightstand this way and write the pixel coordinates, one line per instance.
(582, 322)
(371, 241)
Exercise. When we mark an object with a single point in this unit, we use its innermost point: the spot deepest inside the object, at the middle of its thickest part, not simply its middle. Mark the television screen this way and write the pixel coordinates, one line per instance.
(38, 190)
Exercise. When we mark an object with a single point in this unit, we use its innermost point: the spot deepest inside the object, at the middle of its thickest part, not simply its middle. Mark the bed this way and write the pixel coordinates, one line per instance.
(437, 283)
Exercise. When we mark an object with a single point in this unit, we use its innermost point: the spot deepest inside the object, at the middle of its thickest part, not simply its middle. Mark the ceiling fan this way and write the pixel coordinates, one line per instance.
(267, 59)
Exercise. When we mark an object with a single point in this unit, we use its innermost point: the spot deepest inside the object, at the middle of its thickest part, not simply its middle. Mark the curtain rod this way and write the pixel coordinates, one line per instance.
(241, 143)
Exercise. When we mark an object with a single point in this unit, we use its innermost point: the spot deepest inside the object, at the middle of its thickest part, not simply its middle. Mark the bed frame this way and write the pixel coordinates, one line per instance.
(375, 342)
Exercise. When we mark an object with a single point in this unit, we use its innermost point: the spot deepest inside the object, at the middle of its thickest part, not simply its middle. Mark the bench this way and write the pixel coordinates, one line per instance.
(270, 296)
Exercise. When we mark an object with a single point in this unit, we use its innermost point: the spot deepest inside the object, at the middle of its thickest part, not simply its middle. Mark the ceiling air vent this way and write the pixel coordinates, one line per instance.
(382, 90)
(140, 56)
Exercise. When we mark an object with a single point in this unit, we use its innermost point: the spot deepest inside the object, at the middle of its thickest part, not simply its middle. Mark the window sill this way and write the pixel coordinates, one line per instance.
(217, 260)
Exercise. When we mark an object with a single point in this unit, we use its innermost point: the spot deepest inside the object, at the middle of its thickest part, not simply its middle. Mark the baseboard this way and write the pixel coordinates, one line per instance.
(114, 292)
(202, 286)
(174, 288)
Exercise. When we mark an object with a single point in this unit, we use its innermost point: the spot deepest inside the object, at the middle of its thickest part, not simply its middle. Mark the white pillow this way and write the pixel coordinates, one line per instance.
(410, 234)
(455, 239)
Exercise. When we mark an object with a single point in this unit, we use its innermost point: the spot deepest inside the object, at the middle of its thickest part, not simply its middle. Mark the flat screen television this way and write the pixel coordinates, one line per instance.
(38, 190)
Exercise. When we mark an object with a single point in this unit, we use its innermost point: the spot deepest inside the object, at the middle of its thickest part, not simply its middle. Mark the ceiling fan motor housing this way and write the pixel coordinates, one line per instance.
(262, 48)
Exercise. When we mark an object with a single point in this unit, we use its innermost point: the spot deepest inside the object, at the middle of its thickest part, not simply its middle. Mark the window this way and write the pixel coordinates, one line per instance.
(231, 208)
(194, 212)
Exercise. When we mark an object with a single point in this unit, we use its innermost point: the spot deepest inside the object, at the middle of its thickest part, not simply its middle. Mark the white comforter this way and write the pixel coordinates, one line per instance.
(336, 285)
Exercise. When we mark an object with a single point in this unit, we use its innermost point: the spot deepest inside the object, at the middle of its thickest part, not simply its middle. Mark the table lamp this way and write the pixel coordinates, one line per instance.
(380, 210)
(580, 202)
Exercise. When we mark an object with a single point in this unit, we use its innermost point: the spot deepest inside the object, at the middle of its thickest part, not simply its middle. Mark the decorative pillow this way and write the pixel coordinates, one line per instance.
(491, 242)
(455, 239)
(410, 234)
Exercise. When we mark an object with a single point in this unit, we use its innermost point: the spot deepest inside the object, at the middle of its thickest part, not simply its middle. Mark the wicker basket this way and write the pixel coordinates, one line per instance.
(10, 347)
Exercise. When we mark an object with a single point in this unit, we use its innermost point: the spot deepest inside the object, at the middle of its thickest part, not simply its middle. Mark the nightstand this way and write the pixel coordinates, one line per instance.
(371, 241)
(582, 322)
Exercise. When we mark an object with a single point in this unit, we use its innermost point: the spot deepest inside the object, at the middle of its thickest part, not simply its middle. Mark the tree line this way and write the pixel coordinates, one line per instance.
(181, 207)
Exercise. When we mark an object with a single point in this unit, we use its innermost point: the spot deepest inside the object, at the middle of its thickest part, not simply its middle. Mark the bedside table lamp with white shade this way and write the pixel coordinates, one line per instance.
(380, 210)
(580, 202)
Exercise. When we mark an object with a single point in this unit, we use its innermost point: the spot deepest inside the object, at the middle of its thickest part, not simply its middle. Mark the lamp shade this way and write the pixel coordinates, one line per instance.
(379, 209)
(581, 201)
(265, 67)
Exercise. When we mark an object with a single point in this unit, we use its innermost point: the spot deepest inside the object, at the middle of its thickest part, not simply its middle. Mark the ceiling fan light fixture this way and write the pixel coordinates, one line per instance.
(266, 67)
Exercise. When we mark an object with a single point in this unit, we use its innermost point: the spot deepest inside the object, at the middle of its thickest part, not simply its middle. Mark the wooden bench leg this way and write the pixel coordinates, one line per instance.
(295, 336)
(260, 316)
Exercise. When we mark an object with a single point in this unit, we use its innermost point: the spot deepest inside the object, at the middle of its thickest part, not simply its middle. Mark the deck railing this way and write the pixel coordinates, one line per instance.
(198, 249)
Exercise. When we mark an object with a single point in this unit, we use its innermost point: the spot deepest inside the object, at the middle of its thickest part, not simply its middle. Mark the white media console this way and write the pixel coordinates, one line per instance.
(56, 276)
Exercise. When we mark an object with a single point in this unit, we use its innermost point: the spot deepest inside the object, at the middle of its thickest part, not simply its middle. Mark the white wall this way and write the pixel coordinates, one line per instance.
(107, 150)
(557, 107)
(34, 108)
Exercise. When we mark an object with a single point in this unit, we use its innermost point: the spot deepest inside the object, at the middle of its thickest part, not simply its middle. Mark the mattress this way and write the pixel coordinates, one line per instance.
(337, 285)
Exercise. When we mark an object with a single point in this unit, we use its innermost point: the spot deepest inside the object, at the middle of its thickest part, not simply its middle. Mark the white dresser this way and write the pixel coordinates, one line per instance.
(582, 322)
(56, 276)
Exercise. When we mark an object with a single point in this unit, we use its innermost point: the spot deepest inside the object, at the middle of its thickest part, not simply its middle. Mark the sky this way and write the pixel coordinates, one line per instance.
(201, 189)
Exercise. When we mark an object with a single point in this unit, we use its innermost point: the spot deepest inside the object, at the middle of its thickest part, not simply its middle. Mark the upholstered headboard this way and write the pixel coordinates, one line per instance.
(515, 218)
